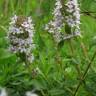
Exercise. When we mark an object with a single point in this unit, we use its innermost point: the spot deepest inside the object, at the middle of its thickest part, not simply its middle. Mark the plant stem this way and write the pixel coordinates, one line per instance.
(73, 54)
(28, 67)
(85, 73)
(84, 49)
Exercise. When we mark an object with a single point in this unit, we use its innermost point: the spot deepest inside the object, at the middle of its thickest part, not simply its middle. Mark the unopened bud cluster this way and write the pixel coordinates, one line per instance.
(21, 33)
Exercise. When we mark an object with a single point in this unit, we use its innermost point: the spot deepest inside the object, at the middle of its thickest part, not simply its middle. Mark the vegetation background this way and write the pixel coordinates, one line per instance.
(61, 68)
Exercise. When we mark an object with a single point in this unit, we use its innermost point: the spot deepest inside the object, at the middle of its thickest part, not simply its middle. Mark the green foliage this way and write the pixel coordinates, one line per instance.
(59, 74)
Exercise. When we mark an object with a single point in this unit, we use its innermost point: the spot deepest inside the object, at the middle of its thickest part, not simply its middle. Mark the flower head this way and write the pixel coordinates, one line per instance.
(21, 33)
(3, 92)
(72, 17)
(65, 14)
(29, 93)
(55, 25)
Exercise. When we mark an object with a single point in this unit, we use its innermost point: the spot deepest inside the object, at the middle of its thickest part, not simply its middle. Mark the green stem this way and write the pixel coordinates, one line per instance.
(84, 75)
(84, 49)
(73, 54)
(28, 67)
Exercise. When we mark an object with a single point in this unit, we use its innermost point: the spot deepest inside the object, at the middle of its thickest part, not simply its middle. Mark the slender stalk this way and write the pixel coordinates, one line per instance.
(69, 90)
(43, 94)
(27, 63)
(73, 54)
(85, 73)
(84, 49)
(6, 2)
(28, 67)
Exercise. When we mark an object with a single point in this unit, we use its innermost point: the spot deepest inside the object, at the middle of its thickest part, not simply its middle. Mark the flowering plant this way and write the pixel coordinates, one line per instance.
(21, 33)
(67, 15)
